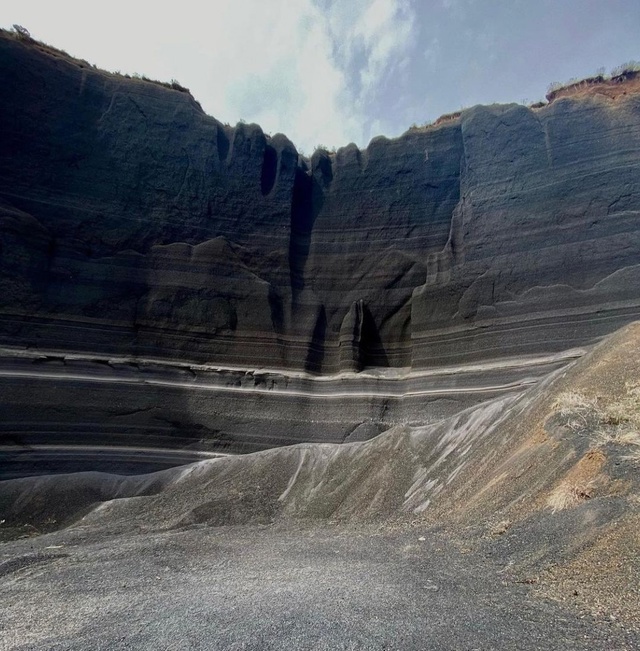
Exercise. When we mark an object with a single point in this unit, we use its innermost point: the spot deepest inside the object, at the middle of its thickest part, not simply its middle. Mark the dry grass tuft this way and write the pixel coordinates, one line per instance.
(616, 422)
(579, 484)
(573, 400)
(568, 495)
(626, 410)
(577, 409)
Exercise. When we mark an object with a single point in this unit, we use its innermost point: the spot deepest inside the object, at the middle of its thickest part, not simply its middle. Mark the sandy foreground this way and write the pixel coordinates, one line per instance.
(276, 587)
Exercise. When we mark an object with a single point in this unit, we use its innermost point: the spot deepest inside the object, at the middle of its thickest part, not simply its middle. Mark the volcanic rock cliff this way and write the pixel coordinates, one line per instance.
(133, 225)
(131, 219)
(418, 316)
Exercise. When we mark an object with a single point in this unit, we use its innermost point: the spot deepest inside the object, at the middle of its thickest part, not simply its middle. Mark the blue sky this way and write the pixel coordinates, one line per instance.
(332, 72)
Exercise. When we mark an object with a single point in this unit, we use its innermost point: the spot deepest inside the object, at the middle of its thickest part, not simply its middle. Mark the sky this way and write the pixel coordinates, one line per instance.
(330, 72)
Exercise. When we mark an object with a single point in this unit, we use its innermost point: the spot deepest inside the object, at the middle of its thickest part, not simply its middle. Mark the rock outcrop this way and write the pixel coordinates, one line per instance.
(133, 225)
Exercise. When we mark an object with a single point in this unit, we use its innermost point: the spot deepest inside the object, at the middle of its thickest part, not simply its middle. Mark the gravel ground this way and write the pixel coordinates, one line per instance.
(277, 587)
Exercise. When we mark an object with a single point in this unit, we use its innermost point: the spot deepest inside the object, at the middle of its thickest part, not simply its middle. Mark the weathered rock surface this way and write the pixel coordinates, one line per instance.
(173, 290)
(130, 219)
(133, 225)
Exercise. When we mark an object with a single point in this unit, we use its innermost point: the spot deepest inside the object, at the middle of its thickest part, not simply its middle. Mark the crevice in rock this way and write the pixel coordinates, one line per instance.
(222, 142)
(351, 338)
(315, 352)
(360, 342)
(269, 170)
(372, 351)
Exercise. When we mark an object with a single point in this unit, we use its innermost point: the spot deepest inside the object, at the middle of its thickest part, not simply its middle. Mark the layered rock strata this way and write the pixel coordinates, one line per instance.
(59, 412)
(133, 225)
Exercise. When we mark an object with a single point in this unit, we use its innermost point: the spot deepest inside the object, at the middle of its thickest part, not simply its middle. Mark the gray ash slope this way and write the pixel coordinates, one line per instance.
(136, 228)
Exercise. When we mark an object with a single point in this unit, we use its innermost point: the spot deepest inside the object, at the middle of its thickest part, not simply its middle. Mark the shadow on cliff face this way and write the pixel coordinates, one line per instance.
(359, 349)
(372, 348)
(269, 170)
(322, 352)
(307, 201)
(306, 204)
(316, 347)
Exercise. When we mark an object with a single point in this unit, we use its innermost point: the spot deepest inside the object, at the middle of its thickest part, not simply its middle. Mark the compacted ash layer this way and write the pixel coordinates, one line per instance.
(135, 226)
(133, 223)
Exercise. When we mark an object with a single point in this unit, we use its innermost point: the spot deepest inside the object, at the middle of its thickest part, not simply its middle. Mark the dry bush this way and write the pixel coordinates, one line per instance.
(568, 495)
(616, 422)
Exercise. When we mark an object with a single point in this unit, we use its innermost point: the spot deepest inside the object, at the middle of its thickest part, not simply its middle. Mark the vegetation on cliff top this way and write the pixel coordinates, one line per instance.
(620, 74)
(22, 34)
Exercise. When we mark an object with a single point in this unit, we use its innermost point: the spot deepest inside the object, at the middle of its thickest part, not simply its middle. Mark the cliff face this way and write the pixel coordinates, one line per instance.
(132, 222)
(146, 248)
(173, 289)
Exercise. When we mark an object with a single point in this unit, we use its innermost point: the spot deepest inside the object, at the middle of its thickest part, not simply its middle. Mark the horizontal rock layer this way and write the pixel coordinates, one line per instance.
(63, 413)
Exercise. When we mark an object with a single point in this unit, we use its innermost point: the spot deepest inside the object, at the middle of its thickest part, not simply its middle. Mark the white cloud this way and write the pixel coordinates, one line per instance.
(373, 36)
(433, 53)
(293, 67)
(386, 30)
(277, 71)
(373, 39)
